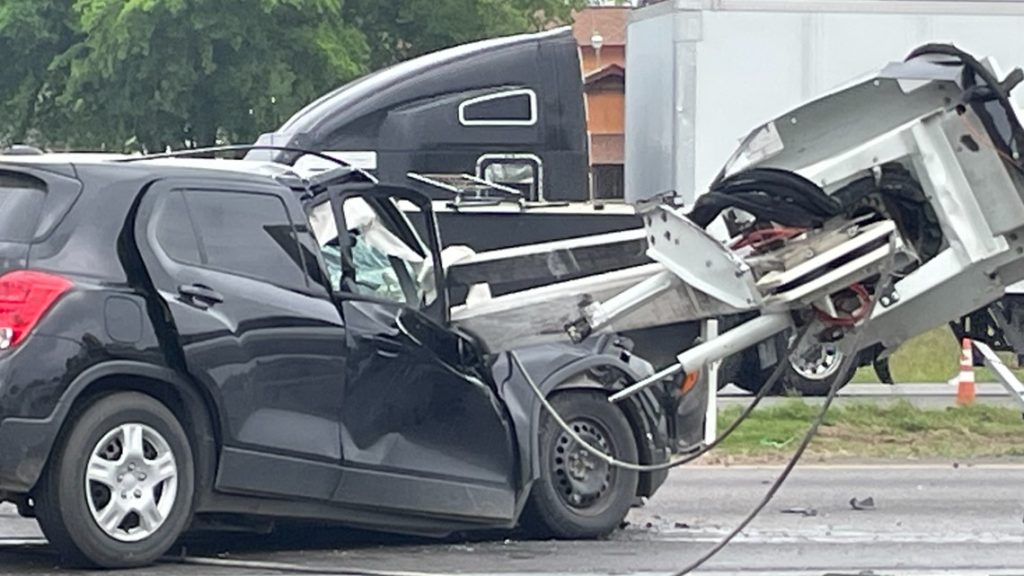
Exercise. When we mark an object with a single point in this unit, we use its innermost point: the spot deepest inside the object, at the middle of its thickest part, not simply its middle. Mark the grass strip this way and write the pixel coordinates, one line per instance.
(931, 357)
(886, 430)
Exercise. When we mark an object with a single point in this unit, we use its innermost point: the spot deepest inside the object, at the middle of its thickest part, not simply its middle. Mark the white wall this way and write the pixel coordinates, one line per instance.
(753, 66)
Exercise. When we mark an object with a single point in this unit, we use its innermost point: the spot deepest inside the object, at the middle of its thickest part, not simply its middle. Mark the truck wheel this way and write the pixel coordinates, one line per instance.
(808, 376)
(118, 489)
(814, 376)
(578, 495)
(744, 370)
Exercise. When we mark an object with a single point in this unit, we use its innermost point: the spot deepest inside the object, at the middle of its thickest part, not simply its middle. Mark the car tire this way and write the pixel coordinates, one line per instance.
(125, 461)
(817, 376)
(578, 496)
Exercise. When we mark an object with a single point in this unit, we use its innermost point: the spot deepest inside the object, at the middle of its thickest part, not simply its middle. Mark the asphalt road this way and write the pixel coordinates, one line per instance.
(926, 520)
(922, 395)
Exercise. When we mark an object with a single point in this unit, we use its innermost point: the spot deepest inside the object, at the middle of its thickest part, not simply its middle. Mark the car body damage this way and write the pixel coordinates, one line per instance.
(236, 354)
(602, 364)
(491, 401)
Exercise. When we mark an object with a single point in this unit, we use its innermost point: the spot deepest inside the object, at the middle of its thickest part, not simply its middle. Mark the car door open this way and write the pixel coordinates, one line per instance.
(421, 427)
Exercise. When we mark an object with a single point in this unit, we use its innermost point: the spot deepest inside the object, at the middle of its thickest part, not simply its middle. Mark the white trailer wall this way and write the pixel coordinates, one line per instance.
(702, 73)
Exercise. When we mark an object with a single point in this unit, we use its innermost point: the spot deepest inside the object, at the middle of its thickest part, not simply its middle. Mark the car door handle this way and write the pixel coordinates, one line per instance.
(199, 293)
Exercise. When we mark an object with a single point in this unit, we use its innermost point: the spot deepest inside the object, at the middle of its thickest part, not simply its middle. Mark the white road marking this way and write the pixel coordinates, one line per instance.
(873, 466)
(786, 571)
(834, 536)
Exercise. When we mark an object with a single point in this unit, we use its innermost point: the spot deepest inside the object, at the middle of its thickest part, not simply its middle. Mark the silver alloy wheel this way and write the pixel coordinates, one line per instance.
(822, 363)
(131, 482)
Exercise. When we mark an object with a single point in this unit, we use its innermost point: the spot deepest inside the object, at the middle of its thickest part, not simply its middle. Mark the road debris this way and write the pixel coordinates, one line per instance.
(865, 504)
(800, 511)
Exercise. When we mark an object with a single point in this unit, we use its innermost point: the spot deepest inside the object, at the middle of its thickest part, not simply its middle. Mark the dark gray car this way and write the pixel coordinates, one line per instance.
(183, 338)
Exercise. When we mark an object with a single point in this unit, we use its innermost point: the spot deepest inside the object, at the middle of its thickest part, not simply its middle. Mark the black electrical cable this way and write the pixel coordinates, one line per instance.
(845, 365)
(789, 185)
(1000, 91)
(284, 568)
(769, 194)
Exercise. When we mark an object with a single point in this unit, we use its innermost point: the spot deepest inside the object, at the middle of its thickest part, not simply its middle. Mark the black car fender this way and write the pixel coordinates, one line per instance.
(196, 412)
(560, 366)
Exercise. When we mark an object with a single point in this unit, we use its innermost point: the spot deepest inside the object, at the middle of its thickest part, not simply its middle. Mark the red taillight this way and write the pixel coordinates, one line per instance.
(25, 296)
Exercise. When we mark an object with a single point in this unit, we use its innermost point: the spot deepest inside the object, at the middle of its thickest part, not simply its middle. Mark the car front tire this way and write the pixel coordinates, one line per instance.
(118, 490)
(578, 495)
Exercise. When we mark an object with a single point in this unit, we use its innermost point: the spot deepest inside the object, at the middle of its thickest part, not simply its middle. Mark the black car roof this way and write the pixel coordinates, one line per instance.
(113, 166)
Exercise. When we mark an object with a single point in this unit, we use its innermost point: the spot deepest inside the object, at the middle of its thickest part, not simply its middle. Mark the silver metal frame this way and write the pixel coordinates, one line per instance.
(514, 156)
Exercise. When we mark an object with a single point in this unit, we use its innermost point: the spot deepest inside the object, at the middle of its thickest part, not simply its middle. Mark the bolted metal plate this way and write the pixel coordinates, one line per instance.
(698, 258)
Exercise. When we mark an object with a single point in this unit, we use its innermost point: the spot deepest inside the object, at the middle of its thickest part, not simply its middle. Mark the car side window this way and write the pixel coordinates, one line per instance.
(21, 203)
(237, 232)
(383, 265)
(174, 230)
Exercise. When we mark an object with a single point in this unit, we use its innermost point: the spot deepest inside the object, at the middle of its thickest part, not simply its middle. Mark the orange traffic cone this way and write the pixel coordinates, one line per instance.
(965, 383)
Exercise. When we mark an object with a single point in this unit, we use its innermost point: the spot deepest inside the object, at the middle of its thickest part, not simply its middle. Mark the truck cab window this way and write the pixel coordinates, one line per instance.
(509, 108)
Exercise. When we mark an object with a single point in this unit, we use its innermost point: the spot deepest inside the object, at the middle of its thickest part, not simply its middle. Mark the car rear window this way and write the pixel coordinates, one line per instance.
(21, 202)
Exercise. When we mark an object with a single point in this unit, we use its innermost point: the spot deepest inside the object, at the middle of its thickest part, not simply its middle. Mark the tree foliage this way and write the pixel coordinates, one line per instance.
(153, 74)
(408, 28)
(183, 72)
(33, 33)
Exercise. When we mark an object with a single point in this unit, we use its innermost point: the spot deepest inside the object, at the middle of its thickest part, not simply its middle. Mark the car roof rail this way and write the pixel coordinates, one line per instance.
(21, 150)
(246, 147)
(312, 185)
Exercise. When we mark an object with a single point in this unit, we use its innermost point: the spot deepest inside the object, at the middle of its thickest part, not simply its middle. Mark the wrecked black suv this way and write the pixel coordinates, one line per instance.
(181, 338)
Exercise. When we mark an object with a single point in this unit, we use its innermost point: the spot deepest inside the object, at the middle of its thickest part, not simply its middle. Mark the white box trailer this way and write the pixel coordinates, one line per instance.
(701, 73)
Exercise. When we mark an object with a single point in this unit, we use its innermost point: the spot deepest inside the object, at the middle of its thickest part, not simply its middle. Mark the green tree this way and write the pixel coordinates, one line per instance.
(152, 74)
(32, 34)
(398, 30)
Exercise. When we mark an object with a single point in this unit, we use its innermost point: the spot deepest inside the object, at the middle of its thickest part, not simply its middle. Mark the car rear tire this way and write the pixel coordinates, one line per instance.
(118, 490)
(578, 495)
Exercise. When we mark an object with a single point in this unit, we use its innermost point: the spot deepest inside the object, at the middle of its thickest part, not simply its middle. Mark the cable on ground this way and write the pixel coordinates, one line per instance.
(847, 363)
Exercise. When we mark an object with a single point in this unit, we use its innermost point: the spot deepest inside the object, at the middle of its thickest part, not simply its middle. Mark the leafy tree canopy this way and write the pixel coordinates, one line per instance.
(152, 74)
(409, 28)
(33, 33)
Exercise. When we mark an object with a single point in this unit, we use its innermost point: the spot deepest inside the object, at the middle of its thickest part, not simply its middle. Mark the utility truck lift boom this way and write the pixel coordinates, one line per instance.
(903, 189)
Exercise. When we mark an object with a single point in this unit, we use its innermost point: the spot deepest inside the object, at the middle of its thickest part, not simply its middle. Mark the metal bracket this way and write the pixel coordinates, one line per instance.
(1005, 375)
(699, 259)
